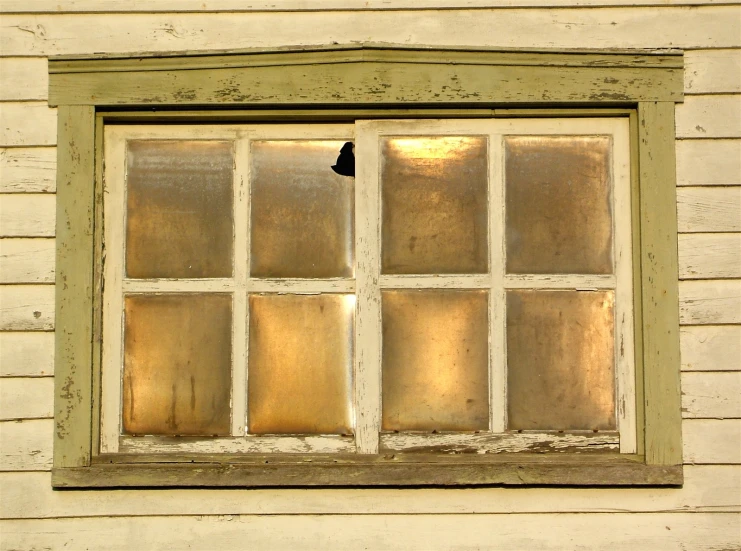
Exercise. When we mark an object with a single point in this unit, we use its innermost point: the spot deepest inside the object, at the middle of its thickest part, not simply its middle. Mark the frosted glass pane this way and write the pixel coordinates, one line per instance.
(558, 213)
(300, 364)
(560, 360)
(435, 360)
(179, 214)
(177, 364)
(434, 193)
(302, 211)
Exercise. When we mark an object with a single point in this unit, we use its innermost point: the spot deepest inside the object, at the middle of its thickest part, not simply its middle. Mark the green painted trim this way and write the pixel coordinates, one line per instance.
(659, 284)
(74, 286)
(367, 75)
(349, 83)
(431, 470)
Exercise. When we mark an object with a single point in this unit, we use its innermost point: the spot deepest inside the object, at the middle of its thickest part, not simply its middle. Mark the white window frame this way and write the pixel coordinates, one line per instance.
(367, 286)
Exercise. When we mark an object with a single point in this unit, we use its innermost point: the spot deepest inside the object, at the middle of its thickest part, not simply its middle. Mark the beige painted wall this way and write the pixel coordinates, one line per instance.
(704, 514)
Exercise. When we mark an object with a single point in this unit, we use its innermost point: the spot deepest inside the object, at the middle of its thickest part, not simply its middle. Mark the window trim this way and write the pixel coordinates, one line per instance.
(366, 81)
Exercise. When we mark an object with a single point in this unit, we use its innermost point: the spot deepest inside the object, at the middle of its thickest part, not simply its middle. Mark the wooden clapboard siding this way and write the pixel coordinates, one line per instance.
(706, 488)
(711, 395)
(712, 72)
(710, 348)
(26, 445)
(709, 255)
(26, 398)
(615, 531)
(28, 170)
(712, 116)
(710, 302)
(26, 307)
(26, 354)
(23, 78)
(139, 6)
(708, 441)
(26, 260)
(709, 162)
(39, 35)
(27, 124)
(27, 215)
(709, 209)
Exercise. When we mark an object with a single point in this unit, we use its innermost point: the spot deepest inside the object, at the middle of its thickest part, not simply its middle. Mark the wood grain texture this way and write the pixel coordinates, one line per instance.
(658, 223)
(709, 255)
(27, 215)
(709, 162)
(680, 27)
(709, 209)
(713, 116)
(711, 395)
(23, 78)
(711, 302)
(26, 307)
(712, 72)
(184, 6)
(711, 348)
(27, 260)
(28, 170)
(655, 531)
(74, 286)
(26, 445)
(706, 489)
(25, 124)
(336, 77)
(26, 354)
(708, 441)
(26, 398)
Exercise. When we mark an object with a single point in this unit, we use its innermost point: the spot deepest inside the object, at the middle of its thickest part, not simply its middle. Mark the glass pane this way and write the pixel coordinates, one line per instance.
(177, 364)
(302, 212)
(179, 220)
(558, 191)
(300, 364)
(560, 360)
(435, 360)
(434, 192)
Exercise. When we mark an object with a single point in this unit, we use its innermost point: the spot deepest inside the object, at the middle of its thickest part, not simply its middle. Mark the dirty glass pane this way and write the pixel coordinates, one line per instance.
(179, 214)
(434, 194)
(560, 360)
(558, 215)
(435, 360)
(300, 364)
(302, 211)
(177, 364)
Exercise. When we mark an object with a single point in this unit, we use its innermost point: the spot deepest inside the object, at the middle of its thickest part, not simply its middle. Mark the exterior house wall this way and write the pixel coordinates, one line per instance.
(704, 514)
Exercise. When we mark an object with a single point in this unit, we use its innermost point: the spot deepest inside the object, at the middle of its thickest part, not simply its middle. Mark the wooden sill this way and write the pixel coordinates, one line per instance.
(368, 471)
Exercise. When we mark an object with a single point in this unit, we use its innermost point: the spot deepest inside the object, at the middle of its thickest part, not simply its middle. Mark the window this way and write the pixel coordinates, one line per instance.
(488, 299)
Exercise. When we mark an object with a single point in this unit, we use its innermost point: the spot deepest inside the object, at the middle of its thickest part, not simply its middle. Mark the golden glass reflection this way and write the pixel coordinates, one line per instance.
(434, 193)
(177, 364)
(179, 214)
(300, 364)
(302, 212)
(560, 360)
(558, 214)
(435, 360)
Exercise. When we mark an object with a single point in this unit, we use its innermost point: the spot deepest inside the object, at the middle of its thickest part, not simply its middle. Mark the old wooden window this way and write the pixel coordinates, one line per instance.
(495, 253)
(491, 298)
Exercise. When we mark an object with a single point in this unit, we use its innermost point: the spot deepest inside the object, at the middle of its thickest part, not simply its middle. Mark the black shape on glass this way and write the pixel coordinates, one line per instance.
(346, 161)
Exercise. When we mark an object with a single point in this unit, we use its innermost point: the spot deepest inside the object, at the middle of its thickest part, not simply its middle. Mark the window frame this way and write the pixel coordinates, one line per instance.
(346, 83)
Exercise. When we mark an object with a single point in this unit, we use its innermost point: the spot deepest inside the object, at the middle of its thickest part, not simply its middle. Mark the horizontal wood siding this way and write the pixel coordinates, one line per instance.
(617, 531)
(708, 164)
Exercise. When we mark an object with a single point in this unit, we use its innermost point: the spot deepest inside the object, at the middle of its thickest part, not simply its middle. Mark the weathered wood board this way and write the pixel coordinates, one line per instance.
(26, 260)
(710, 348)
(26, 354)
